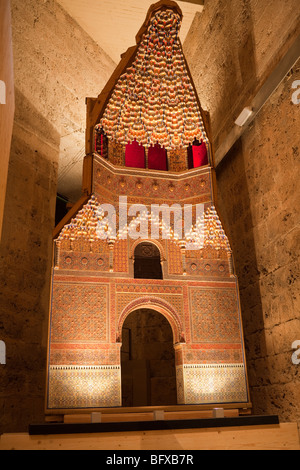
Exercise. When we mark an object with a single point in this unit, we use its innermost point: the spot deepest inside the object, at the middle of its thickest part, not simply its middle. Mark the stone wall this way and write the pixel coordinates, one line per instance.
(259, 198)
(231, 49)
(7, 98)
(56, 65)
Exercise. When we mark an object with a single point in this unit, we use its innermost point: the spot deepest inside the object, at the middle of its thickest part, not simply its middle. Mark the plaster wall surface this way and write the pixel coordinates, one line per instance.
(56, 66)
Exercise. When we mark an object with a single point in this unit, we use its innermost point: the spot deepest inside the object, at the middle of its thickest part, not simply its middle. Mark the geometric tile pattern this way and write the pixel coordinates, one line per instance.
(209, 353)
(79, 312)
(215, 315)
(207, 267)
(84, 387)
(148, 188)
(213, 383)
(81, 261)
(174, 259)
(180, 385)
(83, 354)
(174, 300)
(120, 256)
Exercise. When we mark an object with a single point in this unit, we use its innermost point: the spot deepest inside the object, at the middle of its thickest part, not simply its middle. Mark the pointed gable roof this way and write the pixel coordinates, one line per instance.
(154, 100)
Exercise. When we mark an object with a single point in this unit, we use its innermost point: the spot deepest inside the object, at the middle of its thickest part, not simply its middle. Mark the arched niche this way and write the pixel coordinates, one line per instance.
(148, 372)
(147, 261)
(159, 305)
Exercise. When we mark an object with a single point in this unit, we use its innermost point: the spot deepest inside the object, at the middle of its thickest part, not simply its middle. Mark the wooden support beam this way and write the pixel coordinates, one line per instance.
(72, 213)
(195, 2)
(146, 416)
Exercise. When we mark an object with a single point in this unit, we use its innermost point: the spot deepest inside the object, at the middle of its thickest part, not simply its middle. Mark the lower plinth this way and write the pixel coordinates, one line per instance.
(153, 425)
(255, 436)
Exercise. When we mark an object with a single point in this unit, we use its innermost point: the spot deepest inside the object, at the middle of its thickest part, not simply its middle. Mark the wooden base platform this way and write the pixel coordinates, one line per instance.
(173, 428)
(257, 437)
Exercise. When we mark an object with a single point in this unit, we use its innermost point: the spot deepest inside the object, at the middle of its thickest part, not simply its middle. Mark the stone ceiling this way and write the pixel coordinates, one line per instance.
(113, 24)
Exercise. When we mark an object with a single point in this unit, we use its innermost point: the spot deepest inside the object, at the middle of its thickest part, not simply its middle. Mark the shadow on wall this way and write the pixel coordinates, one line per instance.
(239, 69)
(235, 208)
(25, 265)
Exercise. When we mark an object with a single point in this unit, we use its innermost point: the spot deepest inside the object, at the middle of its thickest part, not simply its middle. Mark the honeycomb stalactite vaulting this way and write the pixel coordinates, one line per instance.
(92, 227)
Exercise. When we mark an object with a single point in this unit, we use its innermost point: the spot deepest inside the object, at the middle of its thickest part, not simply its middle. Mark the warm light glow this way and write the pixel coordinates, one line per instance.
(154, 100)
(92, 223)
(243, 117)
(84, 386)
(214, 383)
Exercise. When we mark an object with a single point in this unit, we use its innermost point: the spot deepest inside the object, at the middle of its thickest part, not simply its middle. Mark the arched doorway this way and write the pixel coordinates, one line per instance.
(147, 262)
(147, 360)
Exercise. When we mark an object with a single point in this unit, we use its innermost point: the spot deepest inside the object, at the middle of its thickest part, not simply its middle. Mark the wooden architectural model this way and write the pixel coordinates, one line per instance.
(148, 156)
